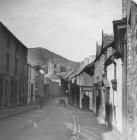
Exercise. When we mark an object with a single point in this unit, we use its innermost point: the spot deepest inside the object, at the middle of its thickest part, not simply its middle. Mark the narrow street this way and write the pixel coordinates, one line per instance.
(40, 124)
(68, 69)
(53, 122)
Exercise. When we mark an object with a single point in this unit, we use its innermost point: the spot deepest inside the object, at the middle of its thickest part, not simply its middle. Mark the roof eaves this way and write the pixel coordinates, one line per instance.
(109, 60)
(12, 34)
(79, 72)
(111, 44)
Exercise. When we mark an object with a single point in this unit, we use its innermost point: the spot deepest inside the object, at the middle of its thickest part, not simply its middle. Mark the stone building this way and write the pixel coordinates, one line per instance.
(54, 67)
(31, 82)
(110, 67)
(101, 83)
(132, 70)
(120, 43)
(13, 69)
(84, 80)
(39, 83)
(125, 32)
(116, 74)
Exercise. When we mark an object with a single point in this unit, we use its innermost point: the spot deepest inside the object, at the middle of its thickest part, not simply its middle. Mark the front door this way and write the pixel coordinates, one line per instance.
(98, 101)
(1, 91)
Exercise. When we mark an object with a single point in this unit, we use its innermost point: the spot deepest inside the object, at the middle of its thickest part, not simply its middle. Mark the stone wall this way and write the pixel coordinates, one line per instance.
(132, 75)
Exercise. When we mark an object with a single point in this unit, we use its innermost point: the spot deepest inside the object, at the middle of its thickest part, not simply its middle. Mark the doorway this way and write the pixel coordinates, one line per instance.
(98, 101)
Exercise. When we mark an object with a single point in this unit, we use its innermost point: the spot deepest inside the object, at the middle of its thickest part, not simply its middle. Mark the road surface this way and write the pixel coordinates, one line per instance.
(52, 122)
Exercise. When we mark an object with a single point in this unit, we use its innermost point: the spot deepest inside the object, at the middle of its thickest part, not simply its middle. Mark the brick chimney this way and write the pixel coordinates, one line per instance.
(124, 8)
(86, 61)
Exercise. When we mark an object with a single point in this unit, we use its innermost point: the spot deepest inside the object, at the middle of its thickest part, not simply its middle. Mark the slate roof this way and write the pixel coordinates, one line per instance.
(98, 49)
(9, 32)
(63, 74)
(106, 40)
(88, 69)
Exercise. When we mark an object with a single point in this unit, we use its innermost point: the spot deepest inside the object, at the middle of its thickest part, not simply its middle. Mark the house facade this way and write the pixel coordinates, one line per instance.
(39, 83)
(31, 83)
(13, 69)
(125, 119)
(101, 83)
(131, 70)
(83, 82)
(120, 94)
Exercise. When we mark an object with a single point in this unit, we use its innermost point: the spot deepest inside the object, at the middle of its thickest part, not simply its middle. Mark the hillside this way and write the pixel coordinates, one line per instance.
(41, 56)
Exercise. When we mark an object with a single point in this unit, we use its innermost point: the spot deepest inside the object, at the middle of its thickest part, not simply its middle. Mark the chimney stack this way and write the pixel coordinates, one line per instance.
(124, 8)
(86, 61)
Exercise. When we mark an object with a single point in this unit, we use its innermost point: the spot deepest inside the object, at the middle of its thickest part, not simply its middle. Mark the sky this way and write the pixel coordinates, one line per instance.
(69, 28)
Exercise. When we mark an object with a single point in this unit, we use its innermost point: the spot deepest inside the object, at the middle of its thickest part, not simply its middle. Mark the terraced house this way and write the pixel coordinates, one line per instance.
(13, 69)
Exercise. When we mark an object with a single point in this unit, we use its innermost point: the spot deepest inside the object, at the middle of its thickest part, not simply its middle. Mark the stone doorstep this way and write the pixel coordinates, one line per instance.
(18, 111)
(101, 120)
(111, 135)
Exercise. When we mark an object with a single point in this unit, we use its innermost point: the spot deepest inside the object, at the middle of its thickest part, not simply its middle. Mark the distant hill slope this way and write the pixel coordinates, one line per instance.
(41, 56)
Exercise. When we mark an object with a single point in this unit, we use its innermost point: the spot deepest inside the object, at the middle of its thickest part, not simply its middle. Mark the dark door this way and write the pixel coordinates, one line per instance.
(6, 93)
(31, 92)
(16, 93)
(12, 91)
(98, 101)
(108, 108)
(85, 102)
(1, 90)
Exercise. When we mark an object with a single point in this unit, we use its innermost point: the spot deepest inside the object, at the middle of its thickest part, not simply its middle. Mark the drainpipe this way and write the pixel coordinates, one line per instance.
(80, 99)
(114, 109)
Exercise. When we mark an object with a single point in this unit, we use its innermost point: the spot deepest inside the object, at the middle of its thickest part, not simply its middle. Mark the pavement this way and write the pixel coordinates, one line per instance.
(8, 112)
(112, 135)
(89, 126)
(91, 129)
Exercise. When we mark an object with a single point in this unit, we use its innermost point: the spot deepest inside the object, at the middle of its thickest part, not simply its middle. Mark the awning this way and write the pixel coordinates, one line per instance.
(98, 84)
(106, 82)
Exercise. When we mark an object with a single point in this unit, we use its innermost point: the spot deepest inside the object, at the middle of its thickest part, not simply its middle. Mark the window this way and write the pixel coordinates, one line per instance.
(1, 90)
(7, 61)
(16, 65)
(6, 88)
(55, 66)
(24, 52)
(17, 48)
(8, 41)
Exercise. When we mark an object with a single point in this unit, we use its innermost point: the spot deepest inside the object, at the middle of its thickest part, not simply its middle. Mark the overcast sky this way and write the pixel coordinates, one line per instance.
(67, 27)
